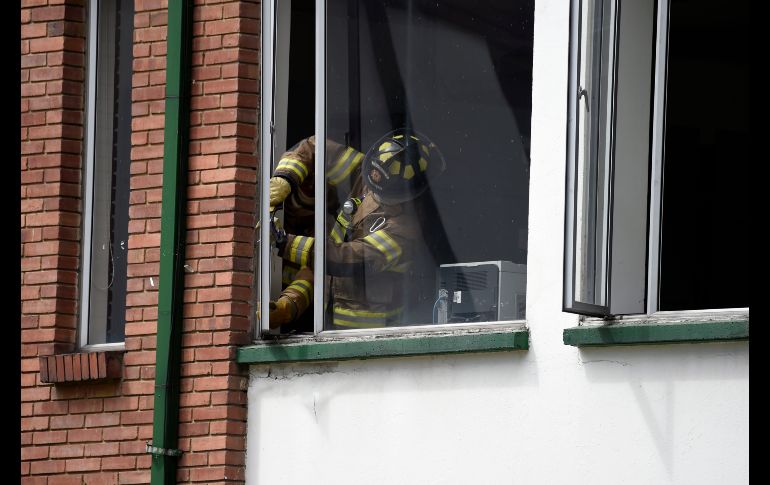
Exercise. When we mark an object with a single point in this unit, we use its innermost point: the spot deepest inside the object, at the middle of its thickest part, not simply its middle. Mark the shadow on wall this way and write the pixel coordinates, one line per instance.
(664, 381)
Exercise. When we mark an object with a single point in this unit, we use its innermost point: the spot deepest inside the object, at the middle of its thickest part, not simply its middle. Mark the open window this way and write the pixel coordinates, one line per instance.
(106, 173)
(657, 166)
(417, 199)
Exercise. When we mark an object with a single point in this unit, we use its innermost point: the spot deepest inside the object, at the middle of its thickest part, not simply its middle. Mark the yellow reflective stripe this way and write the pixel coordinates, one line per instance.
(385, 244)
(294, 166)
(343, 220)
(339, 165)
(337, 234)
(349, 160)
(304, 287)
(292, 169)
(299, 251)
(367, 313)
(294, 163)
(364, 318)
(348, 323)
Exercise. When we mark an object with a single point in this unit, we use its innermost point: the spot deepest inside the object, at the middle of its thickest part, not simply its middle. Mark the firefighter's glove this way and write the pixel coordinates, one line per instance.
(282, 311)
(280, 188)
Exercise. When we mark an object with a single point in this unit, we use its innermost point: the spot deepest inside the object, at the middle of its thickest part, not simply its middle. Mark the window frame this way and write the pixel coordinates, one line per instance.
(89, 167)
(516, 330)
(594, 322)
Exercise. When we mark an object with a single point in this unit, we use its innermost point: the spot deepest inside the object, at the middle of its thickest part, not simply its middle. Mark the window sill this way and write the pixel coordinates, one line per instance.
(660, 330)
(324, 348)
(81, 366)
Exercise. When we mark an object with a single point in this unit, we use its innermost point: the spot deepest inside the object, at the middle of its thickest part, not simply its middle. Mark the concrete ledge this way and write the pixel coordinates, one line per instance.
(656, 333)
(315, 349)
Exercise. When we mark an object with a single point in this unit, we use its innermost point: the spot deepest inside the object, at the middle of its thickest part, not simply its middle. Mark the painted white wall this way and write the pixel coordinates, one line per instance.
(554, 414)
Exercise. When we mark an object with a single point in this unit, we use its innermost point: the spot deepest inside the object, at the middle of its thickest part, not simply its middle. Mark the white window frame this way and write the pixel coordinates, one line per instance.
(651, 313)
(269, 116)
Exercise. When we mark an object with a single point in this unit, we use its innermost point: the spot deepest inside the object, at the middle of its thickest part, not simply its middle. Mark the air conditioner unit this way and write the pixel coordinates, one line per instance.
(485, 291)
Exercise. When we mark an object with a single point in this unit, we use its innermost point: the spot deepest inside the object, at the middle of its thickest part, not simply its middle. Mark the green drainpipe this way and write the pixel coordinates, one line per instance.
(172, 244)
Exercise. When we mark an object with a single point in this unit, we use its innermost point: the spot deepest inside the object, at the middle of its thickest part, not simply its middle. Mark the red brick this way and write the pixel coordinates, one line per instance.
(136, 417)
(84, 435)
(52, 407)
(34, 452)
(134, 477)
(46, 437)
(35, 423)
(102, 419)
(46, 467)
(67, 421)
(100, 478)
(83, 464)
(121, 433)
(101, 449)
(118, 463)
(124, 403)
(67, 451)
(36, 394)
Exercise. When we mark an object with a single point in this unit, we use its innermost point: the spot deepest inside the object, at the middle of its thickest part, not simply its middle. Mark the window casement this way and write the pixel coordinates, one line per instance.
(656, 212)
(106, 172)
(444, 249)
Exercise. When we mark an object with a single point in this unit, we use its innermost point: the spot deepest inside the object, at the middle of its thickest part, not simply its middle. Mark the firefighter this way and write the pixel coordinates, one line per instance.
(370, 248)
(292, 185)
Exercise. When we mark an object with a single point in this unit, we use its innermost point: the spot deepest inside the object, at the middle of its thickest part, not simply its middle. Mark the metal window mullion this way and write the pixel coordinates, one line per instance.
(85, 274)
(657, 154)
(266, 143)
(319, 261)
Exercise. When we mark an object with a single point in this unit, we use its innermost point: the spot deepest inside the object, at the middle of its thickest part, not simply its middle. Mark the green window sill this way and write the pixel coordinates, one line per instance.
(638, 333)
(321, 348)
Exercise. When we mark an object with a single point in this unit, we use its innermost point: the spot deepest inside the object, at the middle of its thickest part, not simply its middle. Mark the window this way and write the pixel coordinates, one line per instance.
(657, 167)
(107, 172)
(423, 181)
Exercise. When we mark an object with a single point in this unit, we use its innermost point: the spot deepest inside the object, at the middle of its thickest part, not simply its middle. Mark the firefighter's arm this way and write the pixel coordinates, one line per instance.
(378, 251)
(294, 167)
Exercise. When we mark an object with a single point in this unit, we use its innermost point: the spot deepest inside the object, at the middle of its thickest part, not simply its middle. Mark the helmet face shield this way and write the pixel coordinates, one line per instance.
(399, 166)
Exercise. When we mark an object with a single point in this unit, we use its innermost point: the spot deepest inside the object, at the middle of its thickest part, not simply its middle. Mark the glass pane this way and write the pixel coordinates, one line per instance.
(427, 160)
(109, 215)
(593, 152)
(705, 259)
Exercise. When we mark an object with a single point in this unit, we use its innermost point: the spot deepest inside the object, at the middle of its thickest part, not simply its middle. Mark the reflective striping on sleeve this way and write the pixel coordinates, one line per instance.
(348, 161)
(295, 166)
(300, 249)
(304, 287)
(365, 319)
(385, 244)
(337, 234)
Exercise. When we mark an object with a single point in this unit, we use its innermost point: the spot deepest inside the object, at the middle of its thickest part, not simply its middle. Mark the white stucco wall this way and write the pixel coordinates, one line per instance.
(551, 415)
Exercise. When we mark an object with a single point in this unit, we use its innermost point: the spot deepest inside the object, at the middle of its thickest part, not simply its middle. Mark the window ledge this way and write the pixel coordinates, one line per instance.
(323, 348)
(81, 367)
(653, 331)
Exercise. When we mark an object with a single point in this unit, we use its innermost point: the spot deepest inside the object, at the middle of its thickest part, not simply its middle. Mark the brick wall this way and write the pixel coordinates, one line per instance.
(95, 432)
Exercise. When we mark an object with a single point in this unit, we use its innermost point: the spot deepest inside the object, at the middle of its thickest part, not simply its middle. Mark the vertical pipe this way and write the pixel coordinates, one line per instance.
(172, 241)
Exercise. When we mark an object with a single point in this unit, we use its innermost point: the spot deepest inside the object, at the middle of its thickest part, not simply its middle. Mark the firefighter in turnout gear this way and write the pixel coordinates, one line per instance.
(369, 249)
